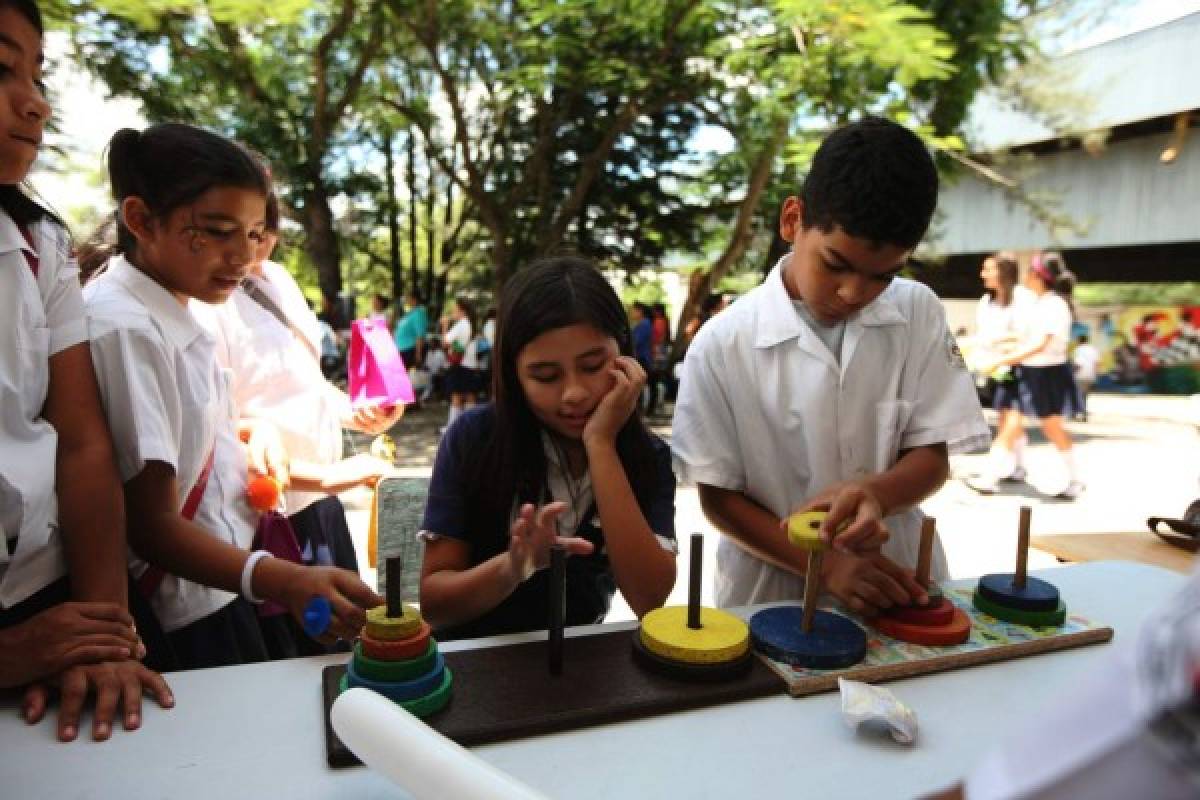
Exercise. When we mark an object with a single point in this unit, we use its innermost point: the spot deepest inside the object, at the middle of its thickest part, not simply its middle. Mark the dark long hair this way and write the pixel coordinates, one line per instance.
(170, 165)
(549, 294)
(1053, 272)
(17, 204)
(1007, 273)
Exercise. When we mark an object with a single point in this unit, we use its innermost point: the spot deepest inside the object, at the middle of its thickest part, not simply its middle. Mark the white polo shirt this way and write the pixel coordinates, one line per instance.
(995, 323)
(1049, 315)
(460, 333)
(277, 377)
(165, 400)
(764, 408)
(39, 317)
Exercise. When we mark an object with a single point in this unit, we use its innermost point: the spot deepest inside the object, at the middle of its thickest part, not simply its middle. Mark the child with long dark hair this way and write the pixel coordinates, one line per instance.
(64, 617)
(561, 456)
(191, 217)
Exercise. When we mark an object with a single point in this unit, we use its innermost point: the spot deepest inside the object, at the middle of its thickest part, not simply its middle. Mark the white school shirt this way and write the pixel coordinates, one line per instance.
(276, 376)
(764, 408)
(165, 400)
(1086, 358)
(1049, 315)
(994, 322)
(460, 332)
(39, 317)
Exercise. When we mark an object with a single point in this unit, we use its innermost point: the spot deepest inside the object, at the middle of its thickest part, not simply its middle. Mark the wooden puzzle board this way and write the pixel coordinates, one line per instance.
(991, 640)
(507, 692)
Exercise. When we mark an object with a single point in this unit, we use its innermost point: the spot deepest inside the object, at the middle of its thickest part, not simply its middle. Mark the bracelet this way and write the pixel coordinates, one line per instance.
(248, 575)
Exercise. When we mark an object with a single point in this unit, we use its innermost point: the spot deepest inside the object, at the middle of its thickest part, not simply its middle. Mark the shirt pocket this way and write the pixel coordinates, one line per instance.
(33, 363)
(891, 419)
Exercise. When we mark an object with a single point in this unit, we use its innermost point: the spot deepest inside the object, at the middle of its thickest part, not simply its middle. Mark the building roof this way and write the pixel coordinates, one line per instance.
(1144, 75)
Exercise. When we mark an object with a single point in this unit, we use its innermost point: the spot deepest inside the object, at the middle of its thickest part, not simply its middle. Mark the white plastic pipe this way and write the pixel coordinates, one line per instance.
(424, 763)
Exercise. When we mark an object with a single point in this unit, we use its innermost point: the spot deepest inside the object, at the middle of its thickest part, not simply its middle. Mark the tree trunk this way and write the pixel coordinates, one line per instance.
(393, 219)
(413, 221)
(321, 240)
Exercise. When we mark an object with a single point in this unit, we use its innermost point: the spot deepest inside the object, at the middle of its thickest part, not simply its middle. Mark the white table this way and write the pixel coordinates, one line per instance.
(257, 731)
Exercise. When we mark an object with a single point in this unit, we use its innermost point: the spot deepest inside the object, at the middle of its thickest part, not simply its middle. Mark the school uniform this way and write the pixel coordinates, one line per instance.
(166, 400)
(41, 315)
(275, 375)
(995, 323)
(451, 512)
(460, 379)
(767, 409)
(1045, 381)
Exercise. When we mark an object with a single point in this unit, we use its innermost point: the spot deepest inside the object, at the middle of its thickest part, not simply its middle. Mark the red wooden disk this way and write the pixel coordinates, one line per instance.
(938, 612)
(957, 631)
(397, 649)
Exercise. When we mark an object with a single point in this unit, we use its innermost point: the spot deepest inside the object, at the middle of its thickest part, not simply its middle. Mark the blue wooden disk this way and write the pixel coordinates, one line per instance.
(834, 642)
(1038, 595)
(400, 691)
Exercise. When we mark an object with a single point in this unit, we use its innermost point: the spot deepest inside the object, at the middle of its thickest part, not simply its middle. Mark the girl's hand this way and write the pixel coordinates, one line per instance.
(374, 420)
(532, 535)
(360, 470)
(615, 408)
(112, 682)
(265, 452)
(64, 636)
(869, 583)
(295, 585)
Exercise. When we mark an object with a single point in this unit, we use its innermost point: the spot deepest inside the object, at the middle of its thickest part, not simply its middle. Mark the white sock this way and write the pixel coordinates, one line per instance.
(1003, 462)
(1019, 451)
(1068, 457)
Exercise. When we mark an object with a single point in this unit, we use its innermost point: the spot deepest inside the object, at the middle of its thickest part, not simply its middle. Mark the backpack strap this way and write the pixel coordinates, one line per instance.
(152, 578)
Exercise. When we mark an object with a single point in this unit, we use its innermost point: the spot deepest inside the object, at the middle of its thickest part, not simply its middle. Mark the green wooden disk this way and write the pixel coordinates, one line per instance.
(425, 706)
(1018, 616)
(394, 671)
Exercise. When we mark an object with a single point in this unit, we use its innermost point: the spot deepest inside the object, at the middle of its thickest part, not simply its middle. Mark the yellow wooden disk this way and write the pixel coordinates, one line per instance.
(381, 626)
(721, 636)
(804, 530)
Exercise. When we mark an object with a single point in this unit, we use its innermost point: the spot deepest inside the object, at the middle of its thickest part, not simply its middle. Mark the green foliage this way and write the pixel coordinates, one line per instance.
(1138, 294)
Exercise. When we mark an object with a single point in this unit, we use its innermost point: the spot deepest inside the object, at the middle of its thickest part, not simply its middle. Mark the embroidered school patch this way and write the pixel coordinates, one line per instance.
(953, 354)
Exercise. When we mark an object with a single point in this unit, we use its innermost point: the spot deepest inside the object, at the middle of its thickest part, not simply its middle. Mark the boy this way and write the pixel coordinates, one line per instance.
(833, 385)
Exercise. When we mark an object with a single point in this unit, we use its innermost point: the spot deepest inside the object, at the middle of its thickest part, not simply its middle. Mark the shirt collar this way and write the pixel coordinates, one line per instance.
(779, 322)
(176, 321)
(11, 238)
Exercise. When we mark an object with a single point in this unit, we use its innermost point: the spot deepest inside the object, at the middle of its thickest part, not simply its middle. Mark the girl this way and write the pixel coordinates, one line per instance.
(270, 340)
(561, 455)
(63, 601)
(1044, 380)
(460, 380)
(191, 208)
(1002, 309)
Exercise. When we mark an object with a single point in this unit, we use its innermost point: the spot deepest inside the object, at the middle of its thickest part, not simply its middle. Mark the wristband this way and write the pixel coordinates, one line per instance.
(248, 575)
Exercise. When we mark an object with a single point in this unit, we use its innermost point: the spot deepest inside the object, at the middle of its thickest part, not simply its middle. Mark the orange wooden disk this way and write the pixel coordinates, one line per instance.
(397, 649)
(938, 612)
(957, 631)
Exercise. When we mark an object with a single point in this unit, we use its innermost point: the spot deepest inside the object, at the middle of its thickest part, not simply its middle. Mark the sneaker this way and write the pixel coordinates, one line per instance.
(1016, 476)
(981, 484)
(1072, 492)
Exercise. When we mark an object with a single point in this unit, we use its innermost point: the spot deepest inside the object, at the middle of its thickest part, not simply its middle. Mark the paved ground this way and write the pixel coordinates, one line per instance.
(1139, 455)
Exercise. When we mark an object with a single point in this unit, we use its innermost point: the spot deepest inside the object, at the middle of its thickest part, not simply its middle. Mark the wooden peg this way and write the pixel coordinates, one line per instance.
(812, 589)
(558, 606)
(697, 567)
(393, 566)
(925, 551)
(1022, 547)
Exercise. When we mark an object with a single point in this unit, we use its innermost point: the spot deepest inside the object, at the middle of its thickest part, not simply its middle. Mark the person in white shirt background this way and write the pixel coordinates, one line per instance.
(1044, 379)
(1001, 311)
(64, 616)
(833, 385)
(461, 380)
(191, 208)
(1084, 360)
(268, 337)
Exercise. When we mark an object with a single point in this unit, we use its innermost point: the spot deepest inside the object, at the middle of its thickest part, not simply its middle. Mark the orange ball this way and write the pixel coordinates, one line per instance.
(262, 493)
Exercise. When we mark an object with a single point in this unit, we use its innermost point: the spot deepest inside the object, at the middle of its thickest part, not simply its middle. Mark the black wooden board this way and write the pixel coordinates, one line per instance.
(507, 692)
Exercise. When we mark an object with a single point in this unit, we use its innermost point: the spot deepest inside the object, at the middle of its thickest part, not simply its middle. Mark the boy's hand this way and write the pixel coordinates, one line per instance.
(870, 583)
(619, 403)
(854, 519)
(532, 535)
(64, 636)
(112, 682)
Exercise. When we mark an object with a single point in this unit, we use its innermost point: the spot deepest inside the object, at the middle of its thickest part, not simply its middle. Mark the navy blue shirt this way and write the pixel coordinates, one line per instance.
(643, 342)
(449, 512)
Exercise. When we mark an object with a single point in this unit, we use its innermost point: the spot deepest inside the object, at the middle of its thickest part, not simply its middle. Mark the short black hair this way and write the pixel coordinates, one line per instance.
(875, 180)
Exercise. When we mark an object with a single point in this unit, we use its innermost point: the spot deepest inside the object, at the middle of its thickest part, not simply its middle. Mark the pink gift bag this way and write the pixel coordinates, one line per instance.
(376, 371)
